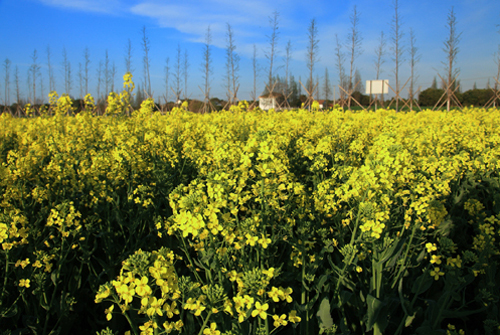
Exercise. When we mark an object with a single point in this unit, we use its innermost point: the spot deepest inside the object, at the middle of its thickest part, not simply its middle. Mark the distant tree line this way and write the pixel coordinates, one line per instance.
(295, 93)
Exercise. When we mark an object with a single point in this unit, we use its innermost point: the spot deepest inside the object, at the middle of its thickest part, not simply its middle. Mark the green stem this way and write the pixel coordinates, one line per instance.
(205, 323)
(6, 276)
(443, 306)
(190, 260)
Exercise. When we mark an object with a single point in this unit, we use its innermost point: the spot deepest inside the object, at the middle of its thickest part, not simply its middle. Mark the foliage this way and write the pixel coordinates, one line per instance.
(249, 222)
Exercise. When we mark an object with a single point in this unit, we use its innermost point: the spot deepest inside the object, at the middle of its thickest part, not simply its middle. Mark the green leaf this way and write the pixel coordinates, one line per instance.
(422, 283)
(374, 306)
(409, 319)
(324, 316)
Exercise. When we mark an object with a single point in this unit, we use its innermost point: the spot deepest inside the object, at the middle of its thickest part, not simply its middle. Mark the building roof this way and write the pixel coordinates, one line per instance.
(272, 95)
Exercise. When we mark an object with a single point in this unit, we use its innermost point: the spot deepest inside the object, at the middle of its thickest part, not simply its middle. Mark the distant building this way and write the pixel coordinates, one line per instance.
(271, 100)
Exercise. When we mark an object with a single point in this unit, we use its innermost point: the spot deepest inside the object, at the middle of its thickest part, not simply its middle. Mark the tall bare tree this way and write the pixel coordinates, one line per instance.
(99, 81)
(232, 67)
(353, 44)
(6, 66)
(206, 67)
(35, 73)
(67, 73)
(379, 55)
(312, 57)
(287, 59)
(326, 86)
(255, 68)
(52, 81)
(339, 63)
(166, 69)
(414, 59)
(273, 43)
(128, 59)
(178, 75)
(107, 72)
(18, 92)
(185, 73)
(86, 69)
(112, 76)
(451, 50)
(379, 61)
(42, 87)
(146, 61)
(497, 78)
(80, 79)
(397, 47)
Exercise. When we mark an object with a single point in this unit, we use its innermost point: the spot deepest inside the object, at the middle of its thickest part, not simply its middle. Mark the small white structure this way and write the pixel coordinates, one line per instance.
(271, 100)
(377, 86)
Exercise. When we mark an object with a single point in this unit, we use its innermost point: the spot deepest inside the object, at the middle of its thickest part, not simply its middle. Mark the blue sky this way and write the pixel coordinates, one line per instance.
(101, 25)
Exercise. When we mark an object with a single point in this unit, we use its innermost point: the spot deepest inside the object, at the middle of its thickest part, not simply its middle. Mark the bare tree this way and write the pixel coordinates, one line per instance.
(273, 43)
(379, 61)
(86, 69)
(29, 85)
(451, 50)
(397, 48)
(112, 76)
(35, 73)
(497, 78)
(107, 72)
(353, 44)
(80, 79)
(178, 75)
(255, 68)
(99, 80)
(146, 61)
(128, 57)
(312, 57)
(18, 92)
(6, 66)
(357, 79)
(380, 53)
(67, 72)
(340, 59)
(414, 59)
(326, 86)
(42, 87)
(232, 67)
(207, 70)
(287, 59)
(52, 82)
(167, 74)
(185, 68)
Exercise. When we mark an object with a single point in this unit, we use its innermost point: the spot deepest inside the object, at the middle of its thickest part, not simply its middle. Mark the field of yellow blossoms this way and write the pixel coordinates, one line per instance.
(249, 222)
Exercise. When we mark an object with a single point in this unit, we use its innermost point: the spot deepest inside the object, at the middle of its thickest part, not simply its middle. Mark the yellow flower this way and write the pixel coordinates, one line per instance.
(292, 317)
(435, 259)
(285, 294)
(274, 294)
(142, 287)
(147, 328)
(212, 330)
(24, 283)
(171, 309)
(155, 306)
(430, 247)
(109, 312)
(280, 320)
(260, 310)
(436, 273)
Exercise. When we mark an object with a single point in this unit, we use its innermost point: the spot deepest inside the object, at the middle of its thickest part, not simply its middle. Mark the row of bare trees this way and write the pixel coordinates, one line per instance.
(347, 52)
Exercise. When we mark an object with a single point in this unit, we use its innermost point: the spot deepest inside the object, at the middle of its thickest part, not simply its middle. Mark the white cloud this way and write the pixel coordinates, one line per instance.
(96, 6)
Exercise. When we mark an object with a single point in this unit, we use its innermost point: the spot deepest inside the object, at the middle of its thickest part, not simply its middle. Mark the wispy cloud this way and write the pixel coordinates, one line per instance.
(96, 6)
(193, 17)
